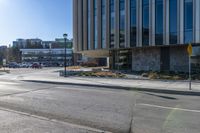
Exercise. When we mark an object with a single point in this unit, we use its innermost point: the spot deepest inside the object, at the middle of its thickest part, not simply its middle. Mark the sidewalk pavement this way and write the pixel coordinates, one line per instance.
(114, 83)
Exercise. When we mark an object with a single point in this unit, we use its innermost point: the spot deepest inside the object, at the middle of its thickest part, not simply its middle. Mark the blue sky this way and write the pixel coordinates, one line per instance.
(45, 19)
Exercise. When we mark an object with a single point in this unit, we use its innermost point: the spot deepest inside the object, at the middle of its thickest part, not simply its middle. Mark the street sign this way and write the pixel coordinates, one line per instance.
(189, 49)
(4, 62)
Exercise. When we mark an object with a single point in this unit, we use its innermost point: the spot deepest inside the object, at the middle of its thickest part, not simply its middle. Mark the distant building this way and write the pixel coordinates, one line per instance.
(20, 43)
(49, 53)
(27, 43)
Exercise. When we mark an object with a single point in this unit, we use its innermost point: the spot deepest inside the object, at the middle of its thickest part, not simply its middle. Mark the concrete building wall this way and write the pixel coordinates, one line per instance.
(146, 59)
(179, 60)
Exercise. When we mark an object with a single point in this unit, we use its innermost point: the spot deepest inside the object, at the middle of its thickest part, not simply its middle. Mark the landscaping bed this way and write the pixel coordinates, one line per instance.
(103, 74)
(169, 76)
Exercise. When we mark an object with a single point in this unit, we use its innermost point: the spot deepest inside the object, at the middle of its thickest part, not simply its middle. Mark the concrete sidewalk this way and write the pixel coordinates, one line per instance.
(126, 83)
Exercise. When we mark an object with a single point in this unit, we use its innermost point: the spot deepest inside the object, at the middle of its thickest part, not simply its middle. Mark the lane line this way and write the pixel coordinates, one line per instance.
(8, 83)
(169, 108)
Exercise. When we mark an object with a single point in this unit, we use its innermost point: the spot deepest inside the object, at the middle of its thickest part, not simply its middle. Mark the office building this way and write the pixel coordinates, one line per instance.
(138, 35)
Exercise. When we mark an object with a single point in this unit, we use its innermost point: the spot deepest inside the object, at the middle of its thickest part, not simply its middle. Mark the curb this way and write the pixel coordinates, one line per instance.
(174, 92)
(162, 80)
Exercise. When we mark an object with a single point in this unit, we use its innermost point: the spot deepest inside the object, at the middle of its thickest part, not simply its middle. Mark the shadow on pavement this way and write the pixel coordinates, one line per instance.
(160, 96)
(173, 92)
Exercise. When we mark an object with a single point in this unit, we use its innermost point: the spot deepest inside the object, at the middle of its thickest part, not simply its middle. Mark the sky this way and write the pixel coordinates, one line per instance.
(44, 19)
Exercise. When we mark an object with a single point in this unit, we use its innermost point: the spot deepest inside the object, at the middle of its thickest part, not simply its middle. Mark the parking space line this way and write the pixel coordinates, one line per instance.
(169, 108)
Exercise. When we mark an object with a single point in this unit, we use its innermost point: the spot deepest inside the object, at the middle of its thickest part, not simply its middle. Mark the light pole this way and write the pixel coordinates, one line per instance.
(65, 59)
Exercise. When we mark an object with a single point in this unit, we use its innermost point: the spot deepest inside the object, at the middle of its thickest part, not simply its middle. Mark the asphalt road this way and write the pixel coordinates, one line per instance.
(27, 107)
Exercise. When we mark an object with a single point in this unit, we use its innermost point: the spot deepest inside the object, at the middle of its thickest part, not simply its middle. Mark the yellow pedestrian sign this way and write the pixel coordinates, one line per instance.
(189, 49)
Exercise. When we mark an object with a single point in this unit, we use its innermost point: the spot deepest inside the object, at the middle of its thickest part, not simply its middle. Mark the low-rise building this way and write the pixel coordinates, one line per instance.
(48, 57)
(49, 53)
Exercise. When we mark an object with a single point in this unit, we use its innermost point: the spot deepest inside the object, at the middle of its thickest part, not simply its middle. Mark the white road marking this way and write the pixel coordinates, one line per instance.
(54, 120)
(7, 83)
(169, 108)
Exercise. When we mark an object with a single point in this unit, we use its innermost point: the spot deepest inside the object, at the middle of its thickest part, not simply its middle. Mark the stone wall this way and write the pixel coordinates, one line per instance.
(179, 61)
(146, 59)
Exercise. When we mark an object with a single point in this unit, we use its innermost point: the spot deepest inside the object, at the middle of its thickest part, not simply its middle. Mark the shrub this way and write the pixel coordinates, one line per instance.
(89, 64)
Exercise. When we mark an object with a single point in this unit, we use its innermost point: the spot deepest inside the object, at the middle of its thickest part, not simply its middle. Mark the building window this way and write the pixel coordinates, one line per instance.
(95, 26)
(133, 23)
(145, 22)
(122, 23)
(173, 21)
(103, 24)
(89, 24)
(112, 23)
(188, 21)
(159, 22)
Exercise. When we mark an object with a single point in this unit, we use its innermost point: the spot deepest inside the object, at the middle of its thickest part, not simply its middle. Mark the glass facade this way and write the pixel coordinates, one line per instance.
(122, 24)
(112, 23)
(173, 11)
(95, 26)
(145, 22)
(133, 23)
(133, 10)
(159, 22)
(89, 24)
(188, 21)
(103, 24)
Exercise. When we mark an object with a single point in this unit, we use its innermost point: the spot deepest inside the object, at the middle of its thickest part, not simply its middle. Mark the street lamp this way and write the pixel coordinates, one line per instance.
(65, 59)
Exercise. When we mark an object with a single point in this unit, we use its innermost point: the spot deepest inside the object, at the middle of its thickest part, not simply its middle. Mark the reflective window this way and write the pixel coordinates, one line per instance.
(103, 22)
(188, 21)
(89, 23)
(159, 22)
(145, 20)
(173, 21)
(133, 23)
(122, 23)
(112, 23)
(95, 25)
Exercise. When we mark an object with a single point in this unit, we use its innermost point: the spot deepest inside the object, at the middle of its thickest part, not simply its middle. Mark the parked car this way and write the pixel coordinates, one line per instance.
(36, 65)
(24, 65)
(13, 65)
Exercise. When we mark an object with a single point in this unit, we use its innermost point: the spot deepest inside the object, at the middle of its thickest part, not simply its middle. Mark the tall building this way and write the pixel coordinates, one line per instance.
(138, 35)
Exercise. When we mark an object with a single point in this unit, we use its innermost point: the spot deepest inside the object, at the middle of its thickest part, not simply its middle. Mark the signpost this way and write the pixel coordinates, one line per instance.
(189, 50)
(4, 63)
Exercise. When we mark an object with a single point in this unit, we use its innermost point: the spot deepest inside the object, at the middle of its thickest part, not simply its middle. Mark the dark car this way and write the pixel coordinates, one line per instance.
(13, 65)
(36, 65)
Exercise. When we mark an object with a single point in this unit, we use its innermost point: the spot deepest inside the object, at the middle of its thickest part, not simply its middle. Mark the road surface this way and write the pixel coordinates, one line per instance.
(29, 107)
